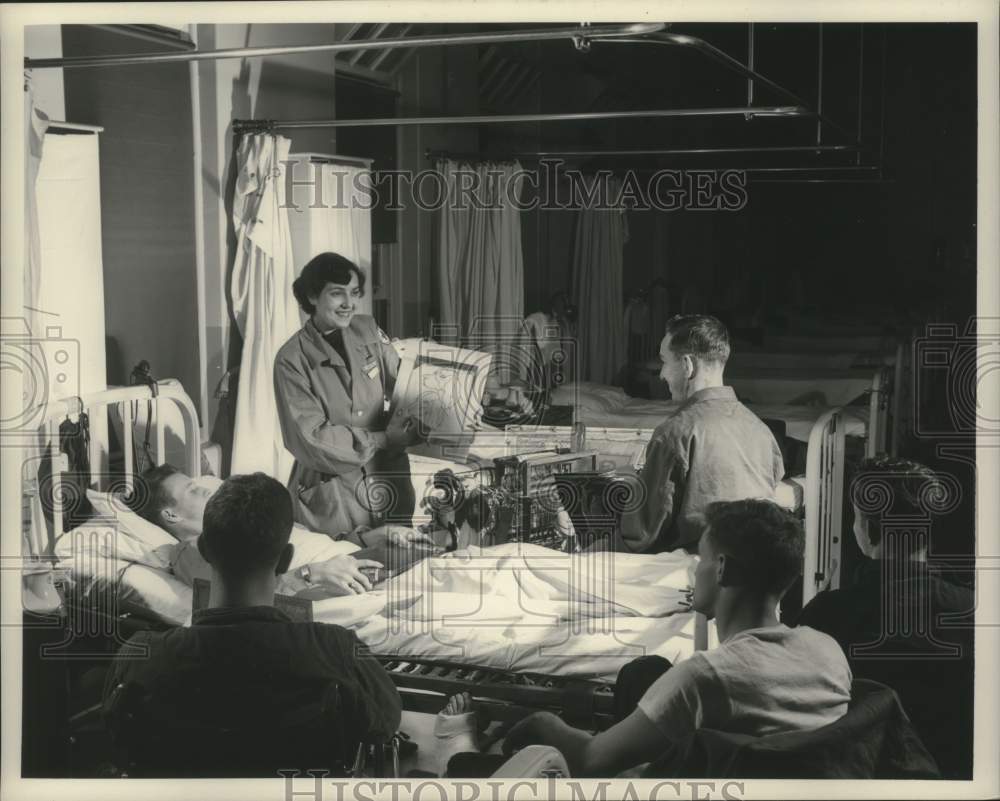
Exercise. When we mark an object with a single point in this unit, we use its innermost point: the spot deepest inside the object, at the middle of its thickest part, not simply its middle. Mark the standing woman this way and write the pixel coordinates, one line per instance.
(333, 381)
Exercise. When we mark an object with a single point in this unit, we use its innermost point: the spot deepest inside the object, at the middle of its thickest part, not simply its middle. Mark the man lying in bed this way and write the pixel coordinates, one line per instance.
(320, 567)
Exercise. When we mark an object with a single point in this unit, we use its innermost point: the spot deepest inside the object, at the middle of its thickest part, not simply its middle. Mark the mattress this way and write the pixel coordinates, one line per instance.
(609, 407)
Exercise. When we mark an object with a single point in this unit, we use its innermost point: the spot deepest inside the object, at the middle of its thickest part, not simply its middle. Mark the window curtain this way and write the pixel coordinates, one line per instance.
(597, 280)
(264, 307)
(481, 264)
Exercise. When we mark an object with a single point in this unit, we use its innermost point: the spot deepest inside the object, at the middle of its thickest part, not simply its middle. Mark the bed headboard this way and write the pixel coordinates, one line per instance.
(127, 399)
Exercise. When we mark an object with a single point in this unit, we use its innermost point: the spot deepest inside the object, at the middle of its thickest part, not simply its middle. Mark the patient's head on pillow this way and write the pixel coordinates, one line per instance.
(248, 523)
(750, 550)
(173, 500)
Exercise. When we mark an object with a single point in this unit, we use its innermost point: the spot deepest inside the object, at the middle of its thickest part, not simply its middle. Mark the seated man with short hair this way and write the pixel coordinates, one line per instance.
(320, 567)
(711, 448)
(764, 678)
(892, 619)
(240, 640)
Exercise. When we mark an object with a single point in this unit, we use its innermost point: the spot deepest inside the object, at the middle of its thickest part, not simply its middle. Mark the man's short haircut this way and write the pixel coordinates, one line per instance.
(766, 541)
(247, 523)
(326, 268)
(889, 485)
(699, 335)
(150, 496)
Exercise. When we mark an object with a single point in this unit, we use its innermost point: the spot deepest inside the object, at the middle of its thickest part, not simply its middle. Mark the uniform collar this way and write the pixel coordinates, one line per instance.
(319, 351)
(229, 615)
(710, 393)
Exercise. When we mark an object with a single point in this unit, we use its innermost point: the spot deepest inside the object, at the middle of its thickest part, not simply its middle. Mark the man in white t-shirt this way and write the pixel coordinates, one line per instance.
(764, 678)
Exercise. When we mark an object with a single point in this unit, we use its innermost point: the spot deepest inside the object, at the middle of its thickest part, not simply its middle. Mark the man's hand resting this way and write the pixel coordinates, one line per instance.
(341, 575)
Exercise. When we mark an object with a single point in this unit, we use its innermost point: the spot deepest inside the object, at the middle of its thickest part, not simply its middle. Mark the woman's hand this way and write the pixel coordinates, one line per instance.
(342, 575)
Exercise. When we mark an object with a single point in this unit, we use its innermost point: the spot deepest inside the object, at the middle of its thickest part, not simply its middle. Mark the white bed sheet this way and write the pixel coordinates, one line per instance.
(513, 607)
(798, 419)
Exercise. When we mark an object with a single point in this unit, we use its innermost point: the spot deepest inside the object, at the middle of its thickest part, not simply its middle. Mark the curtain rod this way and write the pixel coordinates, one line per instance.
(432, 155)
(271, 125)
(713, 52)
(325, 158)
(580, 35)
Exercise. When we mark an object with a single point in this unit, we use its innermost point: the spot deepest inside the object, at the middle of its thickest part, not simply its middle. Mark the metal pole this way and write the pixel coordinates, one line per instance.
(724, 58)
(700, 151)
(819, 90)
(861, 81)
(750, 62)
(774, 111)
(608, 31)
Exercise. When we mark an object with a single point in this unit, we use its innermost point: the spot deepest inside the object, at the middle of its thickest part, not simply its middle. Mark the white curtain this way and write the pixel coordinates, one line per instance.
(35, 542)
(597, 280)
(340, 223)
(263, 304)
(481, 263)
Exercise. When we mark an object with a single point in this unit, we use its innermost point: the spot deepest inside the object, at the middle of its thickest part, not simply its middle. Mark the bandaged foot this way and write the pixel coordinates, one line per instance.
(455, 730)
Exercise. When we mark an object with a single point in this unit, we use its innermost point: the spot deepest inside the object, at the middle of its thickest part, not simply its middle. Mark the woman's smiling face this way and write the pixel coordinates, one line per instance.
(336, 305)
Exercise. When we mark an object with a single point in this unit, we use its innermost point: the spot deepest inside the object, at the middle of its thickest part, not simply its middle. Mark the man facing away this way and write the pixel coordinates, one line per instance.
(241, 640)
(900, 621)
(711, 448)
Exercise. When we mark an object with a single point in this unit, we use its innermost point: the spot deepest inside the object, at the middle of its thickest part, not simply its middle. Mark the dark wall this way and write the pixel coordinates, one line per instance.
(147, 203)
(904, 244)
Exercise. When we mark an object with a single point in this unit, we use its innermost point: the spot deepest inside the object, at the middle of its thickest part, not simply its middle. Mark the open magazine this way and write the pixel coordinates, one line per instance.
(442, 387)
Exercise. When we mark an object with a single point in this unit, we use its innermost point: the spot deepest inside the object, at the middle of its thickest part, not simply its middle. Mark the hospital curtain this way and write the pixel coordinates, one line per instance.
(38, 591)
(263, 305)
(480, 261)
(597, 282)
(331, 212)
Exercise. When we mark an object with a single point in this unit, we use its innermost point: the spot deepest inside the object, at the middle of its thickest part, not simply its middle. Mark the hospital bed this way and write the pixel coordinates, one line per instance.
(817, 495)
(790, 393)
(524, 625)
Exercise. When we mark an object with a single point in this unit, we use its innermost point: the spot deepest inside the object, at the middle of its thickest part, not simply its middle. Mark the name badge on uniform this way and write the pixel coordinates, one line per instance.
(371, 369)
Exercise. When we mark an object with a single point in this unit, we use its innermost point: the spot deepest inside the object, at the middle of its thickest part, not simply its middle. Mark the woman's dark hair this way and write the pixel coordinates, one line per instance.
(326, 268)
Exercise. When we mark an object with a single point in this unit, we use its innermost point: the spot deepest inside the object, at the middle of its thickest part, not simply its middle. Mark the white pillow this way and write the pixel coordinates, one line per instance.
(137, 539)
(590, 397)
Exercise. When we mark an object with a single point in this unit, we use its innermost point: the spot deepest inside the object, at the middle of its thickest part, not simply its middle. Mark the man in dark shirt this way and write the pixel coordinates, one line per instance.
(712, 448)
(240, 644)
(899, 622)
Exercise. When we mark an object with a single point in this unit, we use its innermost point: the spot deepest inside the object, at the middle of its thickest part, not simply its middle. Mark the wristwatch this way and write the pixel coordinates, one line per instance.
(305, 574)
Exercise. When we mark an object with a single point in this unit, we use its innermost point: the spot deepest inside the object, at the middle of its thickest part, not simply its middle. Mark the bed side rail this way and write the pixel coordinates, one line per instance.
(824, 504)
